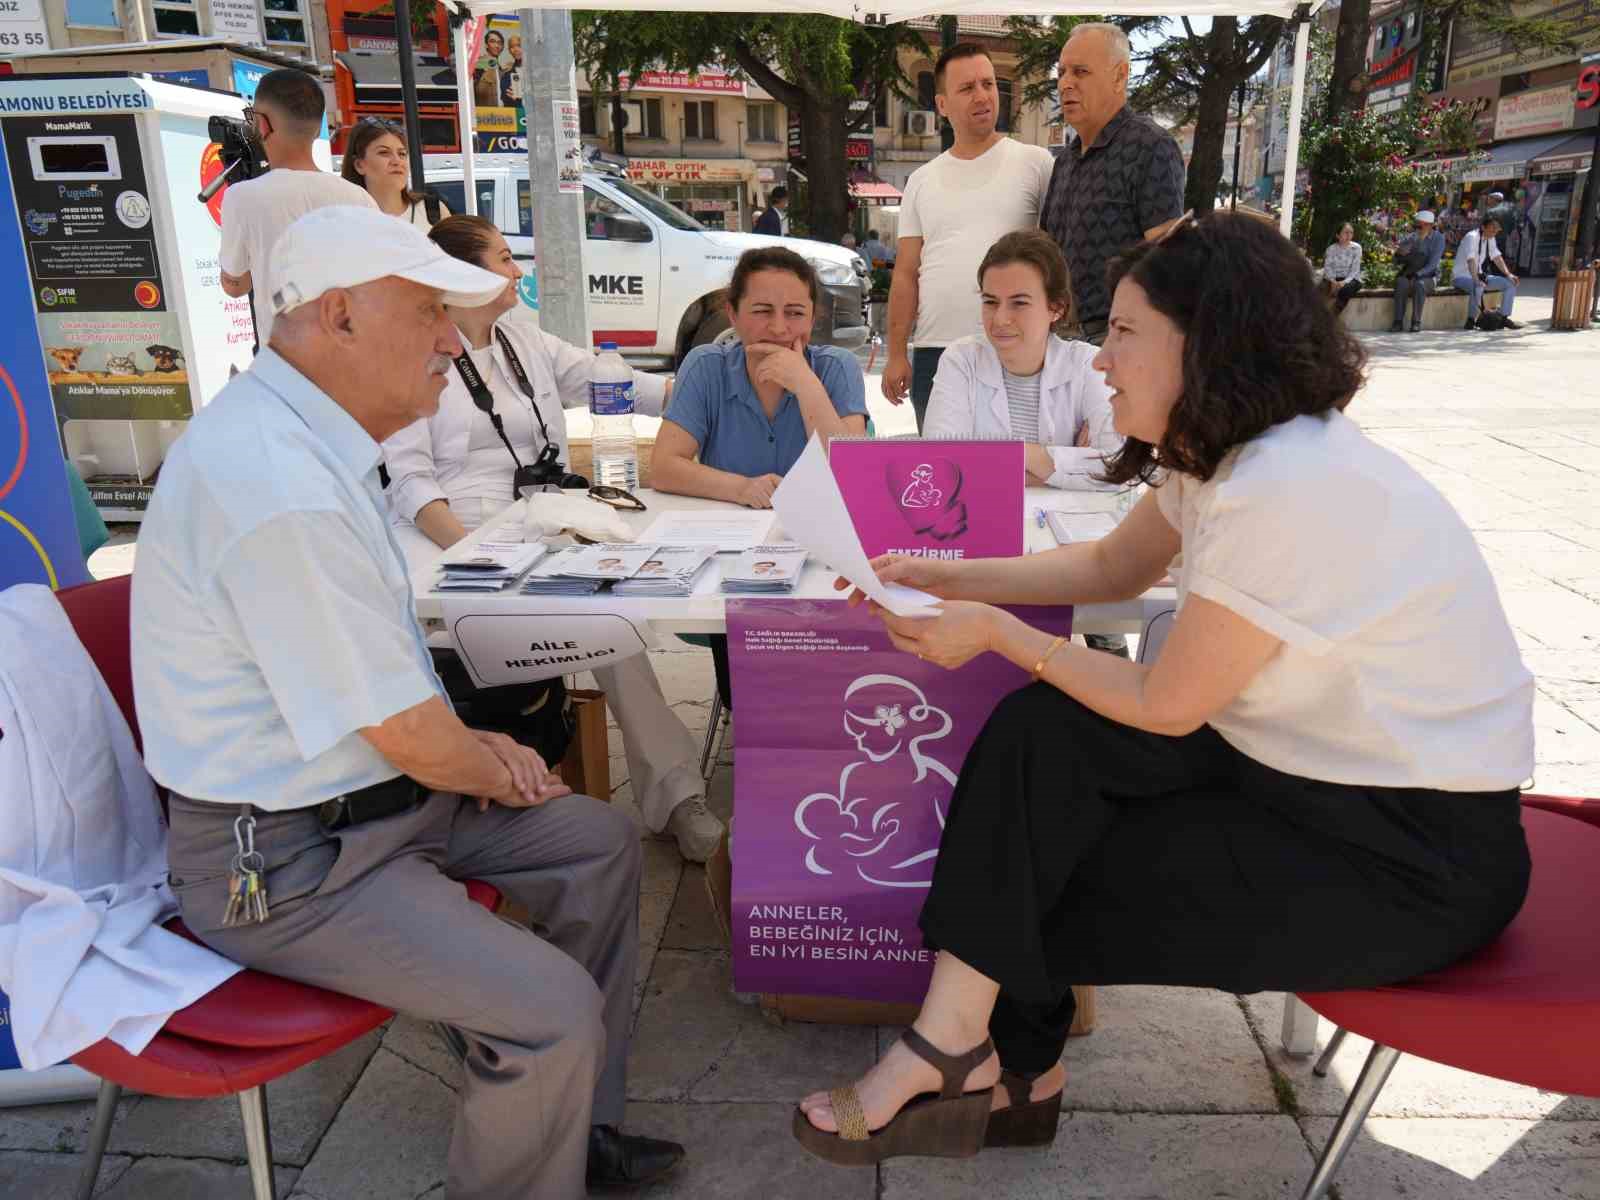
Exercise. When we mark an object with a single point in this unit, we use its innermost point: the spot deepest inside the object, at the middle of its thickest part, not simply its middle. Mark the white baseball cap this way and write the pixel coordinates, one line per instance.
(1425, 217)
(347, 245)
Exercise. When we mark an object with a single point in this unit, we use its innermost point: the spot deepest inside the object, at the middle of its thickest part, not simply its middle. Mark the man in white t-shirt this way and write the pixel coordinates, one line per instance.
(954, 209)
(1475, 254)
(286, 114)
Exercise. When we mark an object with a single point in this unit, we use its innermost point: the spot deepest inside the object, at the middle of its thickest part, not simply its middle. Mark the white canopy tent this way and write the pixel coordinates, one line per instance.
(1299, 1021)
(888, 11)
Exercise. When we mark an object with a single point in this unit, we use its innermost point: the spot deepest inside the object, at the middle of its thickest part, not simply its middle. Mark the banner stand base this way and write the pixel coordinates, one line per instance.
(53, 1085)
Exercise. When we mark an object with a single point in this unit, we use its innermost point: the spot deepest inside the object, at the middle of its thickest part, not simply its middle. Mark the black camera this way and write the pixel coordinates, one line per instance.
(242, 154)
(546, 471)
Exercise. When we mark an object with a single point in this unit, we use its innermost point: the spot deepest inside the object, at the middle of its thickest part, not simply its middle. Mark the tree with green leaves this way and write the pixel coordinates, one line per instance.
(1187, 77)
(816, 66)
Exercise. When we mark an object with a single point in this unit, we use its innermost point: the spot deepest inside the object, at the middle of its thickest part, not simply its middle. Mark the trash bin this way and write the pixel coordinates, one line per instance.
(1574, 299)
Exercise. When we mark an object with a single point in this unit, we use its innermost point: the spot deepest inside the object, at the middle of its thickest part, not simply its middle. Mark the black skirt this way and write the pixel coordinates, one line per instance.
(1082, 851)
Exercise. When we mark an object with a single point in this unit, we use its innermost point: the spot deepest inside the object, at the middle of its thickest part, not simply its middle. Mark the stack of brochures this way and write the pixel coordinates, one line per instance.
(488, 566)
(765, 571)
(551, 578)
(669, 571)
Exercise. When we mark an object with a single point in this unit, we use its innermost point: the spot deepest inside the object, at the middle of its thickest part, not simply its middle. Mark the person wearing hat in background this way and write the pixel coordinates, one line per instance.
(318, 728)
(1418, 260)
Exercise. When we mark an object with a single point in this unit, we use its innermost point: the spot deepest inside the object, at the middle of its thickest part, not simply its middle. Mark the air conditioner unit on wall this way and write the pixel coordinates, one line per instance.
(922, 124)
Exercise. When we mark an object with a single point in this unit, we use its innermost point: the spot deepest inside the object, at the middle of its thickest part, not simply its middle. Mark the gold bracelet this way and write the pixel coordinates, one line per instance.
(1045, 657)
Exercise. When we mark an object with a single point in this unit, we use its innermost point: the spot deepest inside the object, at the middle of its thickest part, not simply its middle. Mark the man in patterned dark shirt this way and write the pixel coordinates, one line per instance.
(1127, 184)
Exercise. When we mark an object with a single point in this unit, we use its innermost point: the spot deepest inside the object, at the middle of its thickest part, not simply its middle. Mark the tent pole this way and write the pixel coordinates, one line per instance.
(408, 91)
(1297, 101)
(466, 115)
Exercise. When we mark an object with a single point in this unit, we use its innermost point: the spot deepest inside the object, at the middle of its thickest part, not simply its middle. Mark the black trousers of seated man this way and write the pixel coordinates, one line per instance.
(1082, 851)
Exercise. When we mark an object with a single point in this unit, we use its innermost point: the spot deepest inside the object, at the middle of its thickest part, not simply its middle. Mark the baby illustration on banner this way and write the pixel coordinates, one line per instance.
(888, 843)
(928, 497)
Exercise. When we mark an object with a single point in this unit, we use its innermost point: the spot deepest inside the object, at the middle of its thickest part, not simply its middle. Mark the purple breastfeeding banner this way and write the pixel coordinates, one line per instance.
(847, 753)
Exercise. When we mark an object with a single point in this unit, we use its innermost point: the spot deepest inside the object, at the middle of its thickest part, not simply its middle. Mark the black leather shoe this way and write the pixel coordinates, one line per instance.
(627, 1160)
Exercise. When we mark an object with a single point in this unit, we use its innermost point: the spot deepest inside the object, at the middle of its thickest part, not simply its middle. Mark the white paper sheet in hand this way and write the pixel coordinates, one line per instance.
(813, 514)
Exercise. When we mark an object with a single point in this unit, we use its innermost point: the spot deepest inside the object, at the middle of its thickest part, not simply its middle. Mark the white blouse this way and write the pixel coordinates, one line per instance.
(1398, 666)
(455, 455)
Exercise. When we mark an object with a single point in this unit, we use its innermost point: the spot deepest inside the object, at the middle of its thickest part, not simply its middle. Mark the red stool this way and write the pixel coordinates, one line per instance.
(254, 1028)
(1524, 1008)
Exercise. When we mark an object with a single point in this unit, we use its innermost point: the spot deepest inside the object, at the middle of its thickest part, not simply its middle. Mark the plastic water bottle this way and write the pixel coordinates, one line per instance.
(616, 450)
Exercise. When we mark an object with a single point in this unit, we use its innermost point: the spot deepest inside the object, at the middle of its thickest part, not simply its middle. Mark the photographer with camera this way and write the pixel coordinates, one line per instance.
(285, 118)
(500, 431)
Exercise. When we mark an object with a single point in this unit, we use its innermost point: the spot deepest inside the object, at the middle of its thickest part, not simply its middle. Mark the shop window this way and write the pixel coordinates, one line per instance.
(101, 14)
(285, 21)
(650, 123)
(925, 91)
(700, 120)
(586, 118)
(763, 122)
(1003, 111)
(176, 18)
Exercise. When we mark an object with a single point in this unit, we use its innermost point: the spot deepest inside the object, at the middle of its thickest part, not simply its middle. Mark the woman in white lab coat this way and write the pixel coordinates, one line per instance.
(450, 473)
(1019, 380)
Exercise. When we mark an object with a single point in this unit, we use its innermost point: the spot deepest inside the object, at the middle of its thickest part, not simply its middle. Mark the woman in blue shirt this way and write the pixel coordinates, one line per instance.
(746, 410)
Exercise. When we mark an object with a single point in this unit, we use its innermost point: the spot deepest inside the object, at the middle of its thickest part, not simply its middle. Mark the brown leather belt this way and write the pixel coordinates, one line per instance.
(371, 803)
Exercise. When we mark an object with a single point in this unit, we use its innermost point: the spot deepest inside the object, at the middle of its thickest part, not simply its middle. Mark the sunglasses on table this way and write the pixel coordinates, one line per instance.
(616, 497)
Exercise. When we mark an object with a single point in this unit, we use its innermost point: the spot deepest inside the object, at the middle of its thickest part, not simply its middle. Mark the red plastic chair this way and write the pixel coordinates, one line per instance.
(1524, 1008)
(254, 1028)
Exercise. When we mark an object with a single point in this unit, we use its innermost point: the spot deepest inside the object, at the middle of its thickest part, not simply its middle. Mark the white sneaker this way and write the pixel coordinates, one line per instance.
(696, 829)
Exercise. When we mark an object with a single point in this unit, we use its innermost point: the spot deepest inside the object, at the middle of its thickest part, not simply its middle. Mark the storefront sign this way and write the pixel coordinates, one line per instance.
(1482, 98)
(841, 794)
(797, 151)
(1589, 83)
(690, 170)
(1486, 172)
(1527, 113)
(22, 27)
(1482, 53)
(858, 149)
(706, 79)
(1566, 165)
(239, 19)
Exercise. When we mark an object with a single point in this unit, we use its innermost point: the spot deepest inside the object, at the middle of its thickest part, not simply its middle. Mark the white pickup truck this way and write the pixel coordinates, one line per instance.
(656, 276)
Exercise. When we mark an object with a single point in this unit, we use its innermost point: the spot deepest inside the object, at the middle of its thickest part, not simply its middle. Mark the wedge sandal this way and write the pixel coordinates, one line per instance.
(949, 1125)
(1024, 1122)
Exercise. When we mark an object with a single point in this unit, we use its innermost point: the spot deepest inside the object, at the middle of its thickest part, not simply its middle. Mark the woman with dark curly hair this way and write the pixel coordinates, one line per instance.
(1314, 787)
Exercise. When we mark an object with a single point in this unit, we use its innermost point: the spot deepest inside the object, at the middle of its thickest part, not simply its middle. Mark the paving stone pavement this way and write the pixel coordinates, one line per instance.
(1180, 1094)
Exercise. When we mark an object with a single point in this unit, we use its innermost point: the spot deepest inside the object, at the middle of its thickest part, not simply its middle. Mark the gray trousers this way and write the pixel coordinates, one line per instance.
(663, 759)
(375, 911)
(1416, 290)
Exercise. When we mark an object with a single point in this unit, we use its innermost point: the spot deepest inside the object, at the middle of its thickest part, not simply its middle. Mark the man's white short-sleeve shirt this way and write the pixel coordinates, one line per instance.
(960, 207)
(1398, 666)
(257, 211)
(272, 617)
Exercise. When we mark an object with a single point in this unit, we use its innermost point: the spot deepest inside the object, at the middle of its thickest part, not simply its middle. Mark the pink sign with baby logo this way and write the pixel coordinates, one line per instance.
(841, 791)
(940, 499)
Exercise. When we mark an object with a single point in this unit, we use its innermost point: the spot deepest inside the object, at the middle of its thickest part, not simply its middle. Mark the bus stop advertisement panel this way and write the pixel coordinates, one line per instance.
(122, 276)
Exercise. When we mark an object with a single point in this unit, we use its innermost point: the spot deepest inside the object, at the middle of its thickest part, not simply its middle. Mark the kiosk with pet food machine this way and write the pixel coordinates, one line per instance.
(120, 286)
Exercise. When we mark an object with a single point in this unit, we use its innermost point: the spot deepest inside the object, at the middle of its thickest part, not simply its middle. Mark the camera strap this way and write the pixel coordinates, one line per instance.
(484, 399)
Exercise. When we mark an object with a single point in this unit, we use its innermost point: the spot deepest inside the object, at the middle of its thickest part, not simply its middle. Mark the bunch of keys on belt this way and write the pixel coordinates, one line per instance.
(247, 889)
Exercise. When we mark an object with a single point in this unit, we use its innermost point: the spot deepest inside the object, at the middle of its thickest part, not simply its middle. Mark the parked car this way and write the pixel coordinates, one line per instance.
(656, 276)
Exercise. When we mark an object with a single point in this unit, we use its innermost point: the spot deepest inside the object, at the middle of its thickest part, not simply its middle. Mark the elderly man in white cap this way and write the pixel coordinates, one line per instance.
(289, 705)
(1418, 261)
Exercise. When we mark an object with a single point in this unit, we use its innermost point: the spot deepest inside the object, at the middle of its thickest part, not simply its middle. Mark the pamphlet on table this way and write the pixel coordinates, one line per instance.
(1070, 527)
(764, 571)
(488, 566)
(729, 530)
